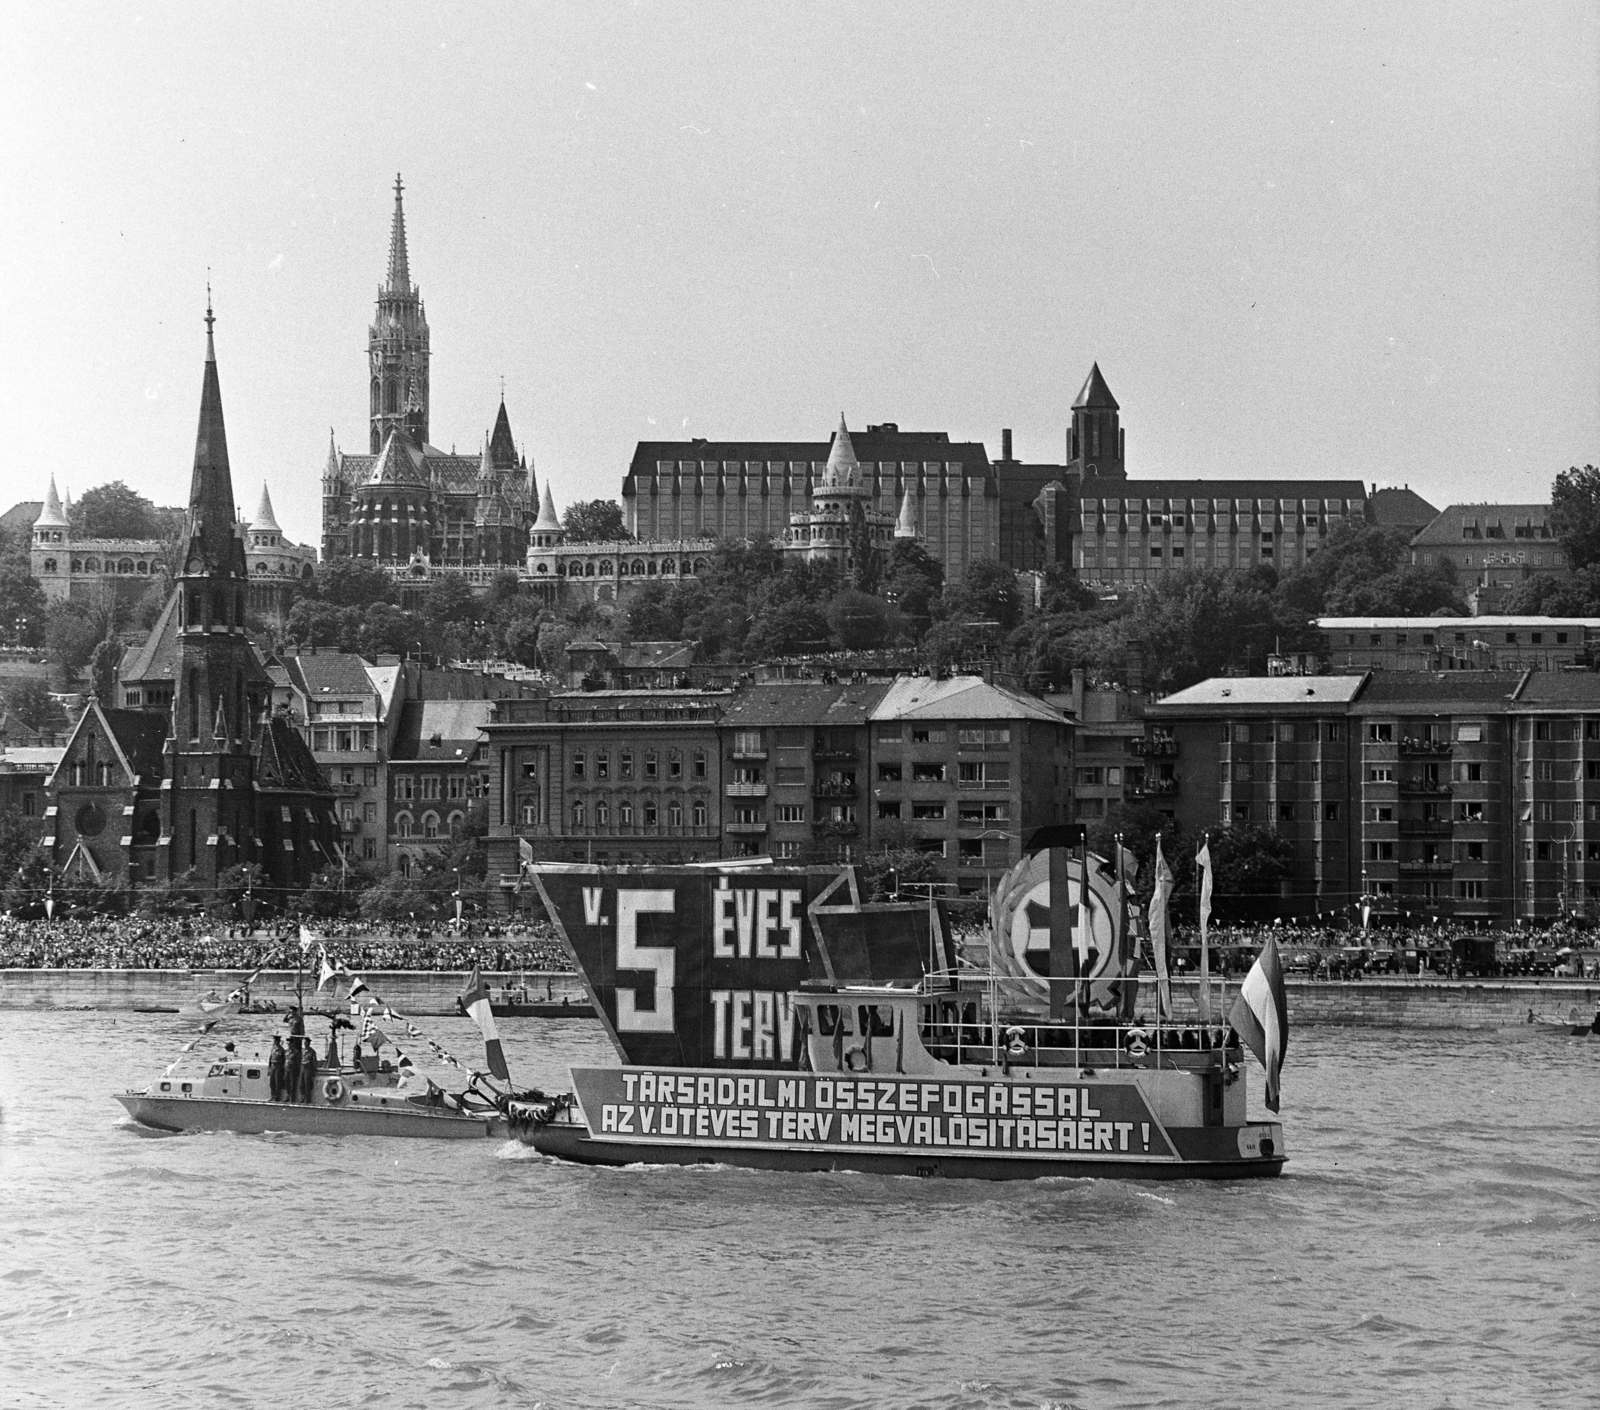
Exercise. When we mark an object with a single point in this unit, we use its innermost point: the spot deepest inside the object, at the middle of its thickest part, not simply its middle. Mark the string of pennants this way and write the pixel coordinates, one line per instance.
(364, 1004)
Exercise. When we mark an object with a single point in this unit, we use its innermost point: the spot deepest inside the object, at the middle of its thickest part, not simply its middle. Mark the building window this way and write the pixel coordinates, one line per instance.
(1380, 734)
(1380, 774)
(699, 763)
(888, 810)
(699, 814)
(625, 813)
(888, 773)
(402, 825)
(650, 763)
(651, 814)
(602, 764)
(747, 741)
(405, 787)
(928, 812)
(787, 851)
(674, 814)
(927, 773)
(579, 764)
(927, 734)
(430, 825)
(1380, 851)
(625, 763)
(430, 787)
(1330, 812)
(791, 813)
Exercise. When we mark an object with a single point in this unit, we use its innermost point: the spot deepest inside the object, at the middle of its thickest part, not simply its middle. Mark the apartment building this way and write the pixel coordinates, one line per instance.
(607, 776)
(966, 771)
(1355, 644)
(438, 774)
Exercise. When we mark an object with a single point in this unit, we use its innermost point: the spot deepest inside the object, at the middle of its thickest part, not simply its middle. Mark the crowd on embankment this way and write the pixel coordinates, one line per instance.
(99, 942)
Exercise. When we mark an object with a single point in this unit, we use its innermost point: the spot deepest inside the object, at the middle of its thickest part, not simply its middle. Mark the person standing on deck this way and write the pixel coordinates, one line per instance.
(297, 1046)
(275, 1067)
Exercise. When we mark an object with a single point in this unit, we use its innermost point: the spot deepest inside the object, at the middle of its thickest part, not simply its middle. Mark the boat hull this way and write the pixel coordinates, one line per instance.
(255, 1118)
(573, 1142)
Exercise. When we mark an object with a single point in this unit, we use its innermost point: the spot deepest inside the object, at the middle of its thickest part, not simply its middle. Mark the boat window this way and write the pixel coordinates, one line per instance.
(188, 1087)
(827, 1019)
(216, 1070)
(166, 1086)
(875, 1024)
(253, 1072)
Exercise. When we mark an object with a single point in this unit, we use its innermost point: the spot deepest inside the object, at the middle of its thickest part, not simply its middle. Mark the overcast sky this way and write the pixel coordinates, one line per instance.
(1309, 240)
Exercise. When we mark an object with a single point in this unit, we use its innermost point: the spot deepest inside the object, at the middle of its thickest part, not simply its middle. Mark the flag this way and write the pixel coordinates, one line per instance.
(306, 938)
(476, 1003)
(525, 849)
(325, 971)
(1260, 1015)
(1157, 916)
(1202, 860)
(358, 986)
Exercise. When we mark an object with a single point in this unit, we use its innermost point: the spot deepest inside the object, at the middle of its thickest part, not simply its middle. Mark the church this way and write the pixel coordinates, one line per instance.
(404, 504)
(191, 774)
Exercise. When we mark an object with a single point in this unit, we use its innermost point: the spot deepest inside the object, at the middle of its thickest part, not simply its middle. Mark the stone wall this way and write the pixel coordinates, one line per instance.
(1380, 1003)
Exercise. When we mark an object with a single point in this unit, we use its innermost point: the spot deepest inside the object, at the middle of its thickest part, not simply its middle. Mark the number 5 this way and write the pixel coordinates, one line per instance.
(658, 959)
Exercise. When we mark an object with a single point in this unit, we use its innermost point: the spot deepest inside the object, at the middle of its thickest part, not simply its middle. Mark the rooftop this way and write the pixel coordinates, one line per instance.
(1233, 692)
(958, 698)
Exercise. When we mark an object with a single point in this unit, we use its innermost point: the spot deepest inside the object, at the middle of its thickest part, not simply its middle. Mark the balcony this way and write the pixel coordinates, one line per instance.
(1154, 748)
(835, 788)
(746, 829)
(746, 790)
(1415, 868)
(1155, 788)
(1424, 788)
(350, 826)
(837, 829)
(1424, 827)
(1424, 748)
(346, 790)
(834, 755)
(754, 754)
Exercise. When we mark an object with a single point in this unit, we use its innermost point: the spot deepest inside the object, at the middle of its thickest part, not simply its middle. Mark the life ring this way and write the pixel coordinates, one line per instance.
(1016, 1047)
(1136, 1041)
(851, 1056)
(332, 1089)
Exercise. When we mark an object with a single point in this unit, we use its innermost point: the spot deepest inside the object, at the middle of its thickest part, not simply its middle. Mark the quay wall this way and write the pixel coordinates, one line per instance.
(1381, 1003)
(420, 992)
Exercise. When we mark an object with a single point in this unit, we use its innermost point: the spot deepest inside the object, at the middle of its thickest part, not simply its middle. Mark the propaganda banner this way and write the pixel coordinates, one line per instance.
(1083, 1120)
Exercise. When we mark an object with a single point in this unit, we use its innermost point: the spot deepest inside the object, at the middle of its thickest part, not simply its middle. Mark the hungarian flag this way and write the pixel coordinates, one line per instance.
(476, 1001)
(1202, 861)
(1260, 1015)
(1157, 917)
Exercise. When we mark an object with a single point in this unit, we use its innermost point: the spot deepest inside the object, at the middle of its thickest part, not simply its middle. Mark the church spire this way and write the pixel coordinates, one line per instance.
(399, 280)
(210, 544)
(906, 528)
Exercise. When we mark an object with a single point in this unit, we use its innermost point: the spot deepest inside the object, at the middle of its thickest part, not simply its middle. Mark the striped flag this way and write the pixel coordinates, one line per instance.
(1202, 861)
(1260, 1015)
(1157, 917)
(358, 986)
(476, 1002)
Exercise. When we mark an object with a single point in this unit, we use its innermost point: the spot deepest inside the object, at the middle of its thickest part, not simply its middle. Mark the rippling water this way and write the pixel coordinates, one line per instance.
(1434, 1242)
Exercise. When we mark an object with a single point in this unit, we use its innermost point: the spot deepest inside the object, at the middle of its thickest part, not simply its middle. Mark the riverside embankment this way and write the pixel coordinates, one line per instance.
(1399, 1002)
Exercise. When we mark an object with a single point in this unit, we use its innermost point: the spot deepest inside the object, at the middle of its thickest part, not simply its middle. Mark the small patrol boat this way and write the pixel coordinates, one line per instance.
(234, 1094)
(768, 1017)
(297, 1090)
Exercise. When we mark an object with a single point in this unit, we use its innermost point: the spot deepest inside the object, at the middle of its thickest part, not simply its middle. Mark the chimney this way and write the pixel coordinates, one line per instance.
(1005, 444)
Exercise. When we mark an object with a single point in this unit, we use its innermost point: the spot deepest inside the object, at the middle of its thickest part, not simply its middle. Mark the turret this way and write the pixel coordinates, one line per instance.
(1095, 442)
(906, 527)
(397, 345)
(547, 531)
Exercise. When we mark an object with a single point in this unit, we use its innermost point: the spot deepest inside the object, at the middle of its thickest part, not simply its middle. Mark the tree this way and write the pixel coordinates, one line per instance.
(1544, 595)
(71, 635)
(22, 602)
(1575, 513)
(103, 663)
(864, 557)
(114, 511)
(595, 521)
(1365, 571)
(858, 621)
(650, 615)
(988, 593)
(29, 699)
(352, 582)
(789, 629)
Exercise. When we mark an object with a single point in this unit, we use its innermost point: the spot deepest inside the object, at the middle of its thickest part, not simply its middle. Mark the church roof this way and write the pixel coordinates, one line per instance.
(399, 463)
(1095, 393)
(51, 517)
(502, 448)
(210, 544)
(547, 522)
(398, 279)
(140, 734)
(153, 658)
(265, 521)
(284, 760)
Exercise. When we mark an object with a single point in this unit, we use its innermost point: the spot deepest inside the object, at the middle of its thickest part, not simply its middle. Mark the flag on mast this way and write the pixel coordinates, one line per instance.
(1202, 861)
(1157, 917)
(1260, 1015)
(476, 1002)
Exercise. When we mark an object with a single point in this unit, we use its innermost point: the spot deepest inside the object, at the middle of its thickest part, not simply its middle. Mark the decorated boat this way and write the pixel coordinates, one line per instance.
(374, 1090)
(771, 1017)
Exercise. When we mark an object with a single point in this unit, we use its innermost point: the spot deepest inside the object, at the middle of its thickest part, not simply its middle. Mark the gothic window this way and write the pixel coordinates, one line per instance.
(50, 565)
(430, 825)
(391, 397)
(402, 824)
(456, 819)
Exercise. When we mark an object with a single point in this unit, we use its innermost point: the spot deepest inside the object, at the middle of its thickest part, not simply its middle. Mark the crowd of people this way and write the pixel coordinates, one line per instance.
(125, 942)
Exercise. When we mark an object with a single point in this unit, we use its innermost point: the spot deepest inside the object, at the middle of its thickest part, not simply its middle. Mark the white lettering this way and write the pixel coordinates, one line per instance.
(789, 922)
(746, 903)
(765, 1046)
(742, 1000)
(721, 1000)
(766, 923)
(722, 922)
(657, 959)
(593, 901)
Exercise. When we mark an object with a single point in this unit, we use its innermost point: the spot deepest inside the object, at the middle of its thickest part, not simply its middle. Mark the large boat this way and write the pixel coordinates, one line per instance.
(770, 1017)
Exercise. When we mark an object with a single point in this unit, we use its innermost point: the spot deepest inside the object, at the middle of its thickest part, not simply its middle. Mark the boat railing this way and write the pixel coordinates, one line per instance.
(1085, 1045)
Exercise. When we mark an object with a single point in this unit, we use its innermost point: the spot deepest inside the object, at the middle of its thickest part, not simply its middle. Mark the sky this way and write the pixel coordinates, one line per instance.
(1333, 240)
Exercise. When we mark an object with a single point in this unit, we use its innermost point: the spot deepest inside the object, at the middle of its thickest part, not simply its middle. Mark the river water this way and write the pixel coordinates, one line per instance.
(1435, 1241)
